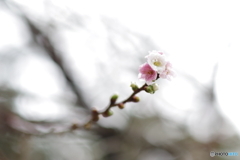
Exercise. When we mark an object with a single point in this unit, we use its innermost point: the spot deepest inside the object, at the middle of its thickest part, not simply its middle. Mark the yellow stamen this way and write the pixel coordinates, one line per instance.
(157, 64)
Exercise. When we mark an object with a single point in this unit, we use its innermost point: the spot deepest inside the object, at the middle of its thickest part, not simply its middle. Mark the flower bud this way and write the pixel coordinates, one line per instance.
(121, 106)
(114, 98)
(151, 88)
(108, 113)
(135, 99)
(148, 89)
(155, 87)
(134, 87)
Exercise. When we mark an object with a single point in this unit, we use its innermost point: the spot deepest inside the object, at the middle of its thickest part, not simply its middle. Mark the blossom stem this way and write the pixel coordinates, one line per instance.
(129, 99)
(95, 116)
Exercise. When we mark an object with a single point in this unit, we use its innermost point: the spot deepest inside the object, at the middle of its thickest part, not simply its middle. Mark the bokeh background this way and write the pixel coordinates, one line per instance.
(61, 58)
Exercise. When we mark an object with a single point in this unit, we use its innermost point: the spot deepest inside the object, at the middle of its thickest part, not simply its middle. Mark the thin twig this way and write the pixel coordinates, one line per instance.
(105, 113)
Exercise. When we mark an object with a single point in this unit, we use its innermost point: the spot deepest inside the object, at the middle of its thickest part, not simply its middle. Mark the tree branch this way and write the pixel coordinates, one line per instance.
(44, 42)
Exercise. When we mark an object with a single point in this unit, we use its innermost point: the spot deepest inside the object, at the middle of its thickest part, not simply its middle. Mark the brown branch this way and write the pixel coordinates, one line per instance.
(30, 127)
(107, 112)
(43, 41)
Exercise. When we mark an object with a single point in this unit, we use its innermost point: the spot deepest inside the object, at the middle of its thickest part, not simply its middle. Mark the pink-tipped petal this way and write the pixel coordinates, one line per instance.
(147, 73)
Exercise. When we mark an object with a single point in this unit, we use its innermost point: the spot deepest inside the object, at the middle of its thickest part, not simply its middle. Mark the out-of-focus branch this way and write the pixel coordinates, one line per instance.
(43, 41)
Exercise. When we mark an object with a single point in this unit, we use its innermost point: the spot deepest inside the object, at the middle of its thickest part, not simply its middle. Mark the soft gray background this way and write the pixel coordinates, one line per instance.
(98, 47)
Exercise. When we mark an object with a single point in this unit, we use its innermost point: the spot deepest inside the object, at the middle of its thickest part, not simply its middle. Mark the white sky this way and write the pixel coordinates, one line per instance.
(195, 34)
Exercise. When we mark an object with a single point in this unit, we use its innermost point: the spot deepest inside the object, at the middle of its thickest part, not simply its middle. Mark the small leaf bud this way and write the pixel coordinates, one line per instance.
(114, 98)
(121, 106)
(135, 99)
(149, 89)
(134, 87)
(108, 113)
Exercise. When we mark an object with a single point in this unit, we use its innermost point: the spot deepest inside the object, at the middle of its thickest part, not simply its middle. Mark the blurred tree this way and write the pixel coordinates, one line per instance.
(152, 137)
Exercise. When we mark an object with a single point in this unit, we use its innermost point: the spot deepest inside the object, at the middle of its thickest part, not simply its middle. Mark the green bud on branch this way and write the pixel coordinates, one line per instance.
(134, 87)
(135, 99)
(107, 113)
(149, 89)
(114, 98)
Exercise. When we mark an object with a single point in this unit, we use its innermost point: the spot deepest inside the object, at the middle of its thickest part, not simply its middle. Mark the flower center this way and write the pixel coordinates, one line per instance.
(150, 72)
(157, 63)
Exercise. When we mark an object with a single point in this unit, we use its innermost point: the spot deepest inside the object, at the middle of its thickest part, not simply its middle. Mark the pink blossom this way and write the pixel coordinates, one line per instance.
(168, 73)
(147, 73)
